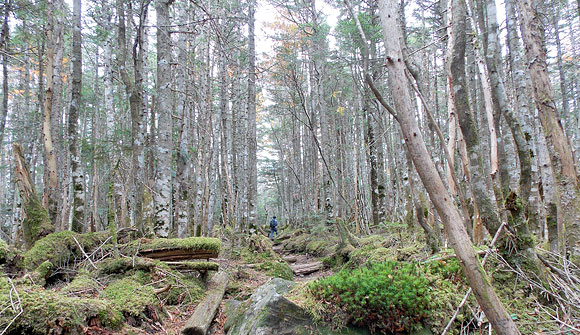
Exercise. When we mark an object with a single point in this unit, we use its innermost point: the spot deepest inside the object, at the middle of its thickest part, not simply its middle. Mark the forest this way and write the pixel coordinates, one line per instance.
(290, 167)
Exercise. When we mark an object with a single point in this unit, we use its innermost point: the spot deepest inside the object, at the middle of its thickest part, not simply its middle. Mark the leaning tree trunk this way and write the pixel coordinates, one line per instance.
(476, 276)
(75, 103)
(568, 200)
(162, 223)
(36, 224)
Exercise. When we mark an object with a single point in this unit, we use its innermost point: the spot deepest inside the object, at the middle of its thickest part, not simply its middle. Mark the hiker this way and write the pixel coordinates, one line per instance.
(273, 227)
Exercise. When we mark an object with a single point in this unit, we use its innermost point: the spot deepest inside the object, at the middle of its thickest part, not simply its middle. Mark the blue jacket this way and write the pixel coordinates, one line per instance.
(273, 224)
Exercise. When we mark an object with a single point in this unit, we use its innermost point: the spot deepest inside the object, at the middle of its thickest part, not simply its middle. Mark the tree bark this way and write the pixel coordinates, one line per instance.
(252, 142)
(476, 276)
(164, 147)
(78, 205)
(50, 198)
(568, 201)
(37, 223)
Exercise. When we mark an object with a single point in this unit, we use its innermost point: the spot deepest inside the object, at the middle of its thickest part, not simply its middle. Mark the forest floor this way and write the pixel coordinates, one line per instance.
(248, 277)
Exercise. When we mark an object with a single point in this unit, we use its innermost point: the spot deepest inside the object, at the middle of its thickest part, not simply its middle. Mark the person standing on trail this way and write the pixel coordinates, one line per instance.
(273, 227)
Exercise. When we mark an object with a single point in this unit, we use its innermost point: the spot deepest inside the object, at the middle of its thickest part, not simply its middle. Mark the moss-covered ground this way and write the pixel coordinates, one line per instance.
(56, 290)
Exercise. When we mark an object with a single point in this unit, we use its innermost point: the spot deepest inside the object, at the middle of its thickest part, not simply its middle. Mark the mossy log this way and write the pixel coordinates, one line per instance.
(180, 249)
(199, 322)
(194, 266)
(306, 269)
(36, 222)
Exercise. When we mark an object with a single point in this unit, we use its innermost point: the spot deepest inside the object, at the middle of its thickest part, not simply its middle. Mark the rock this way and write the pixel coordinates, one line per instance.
(267, 312)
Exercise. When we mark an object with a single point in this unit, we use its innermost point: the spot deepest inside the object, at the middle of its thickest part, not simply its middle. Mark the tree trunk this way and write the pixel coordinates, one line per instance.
(36, 224)
(458, 91)
(476, 276)
(162, 224)
(568, 201)
(5, 46)
(78, 196)
(50, 197)
(252, 142)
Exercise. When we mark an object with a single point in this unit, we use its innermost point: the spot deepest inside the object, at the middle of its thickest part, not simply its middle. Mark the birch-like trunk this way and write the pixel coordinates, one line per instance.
(162, 223)
(251, 139)
(78, 187)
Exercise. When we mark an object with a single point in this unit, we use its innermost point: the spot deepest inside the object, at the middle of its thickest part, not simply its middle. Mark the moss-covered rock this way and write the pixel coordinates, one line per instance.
(61, 249)
(48, 312)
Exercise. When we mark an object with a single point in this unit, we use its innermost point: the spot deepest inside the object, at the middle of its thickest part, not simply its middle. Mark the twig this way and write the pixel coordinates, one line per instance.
(84, 253)
(469, 291)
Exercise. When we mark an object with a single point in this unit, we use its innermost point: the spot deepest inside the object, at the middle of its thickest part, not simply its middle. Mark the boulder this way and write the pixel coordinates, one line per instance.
(267, 312)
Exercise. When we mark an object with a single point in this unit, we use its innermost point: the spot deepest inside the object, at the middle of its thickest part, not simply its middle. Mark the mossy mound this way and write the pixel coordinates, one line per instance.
(83, 285)
(61, 249)
(277, 269)
(318, 243)
(130, 296)
(37, 223)
(121, 265)
(48, 312)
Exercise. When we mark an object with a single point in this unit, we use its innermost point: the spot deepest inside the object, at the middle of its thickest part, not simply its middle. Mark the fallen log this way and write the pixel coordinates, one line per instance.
(199, 322)
(306, 269)
(170, 254)
(194, 266)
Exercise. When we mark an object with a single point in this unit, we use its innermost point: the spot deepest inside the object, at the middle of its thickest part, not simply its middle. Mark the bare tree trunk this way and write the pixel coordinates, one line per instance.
(476, 276)
(5, 46)
(162, 224)
(78, 196)
(568, 201)
(50, 197)
(252, 143)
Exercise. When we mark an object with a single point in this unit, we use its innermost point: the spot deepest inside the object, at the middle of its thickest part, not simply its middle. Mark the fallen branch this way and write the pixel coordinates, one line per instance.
(84, 253)
(163, 289)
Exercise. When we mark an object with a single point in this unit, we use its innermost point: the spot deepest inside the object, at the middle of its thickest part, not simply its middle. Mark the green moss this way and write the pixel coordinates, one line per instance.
(130, 296)
(37, 222)
(9, 255)
(279, 269)
(122, 265)
(82, 285)
(249, 257)
(60, 248)
(191, 243)
(45, 311)
(184, 289)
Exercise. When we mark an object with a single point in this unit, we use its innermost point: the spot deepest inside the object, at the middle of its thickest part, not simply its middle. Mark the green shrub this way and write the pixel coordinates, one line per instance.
(389, 297)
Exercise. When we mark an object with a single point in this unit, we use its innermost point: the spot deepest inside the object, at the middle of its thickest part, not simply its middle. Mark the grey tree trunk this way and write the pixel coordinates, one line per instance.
(252, 142)
(78, 194)
(163, 191)
(568, 201)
